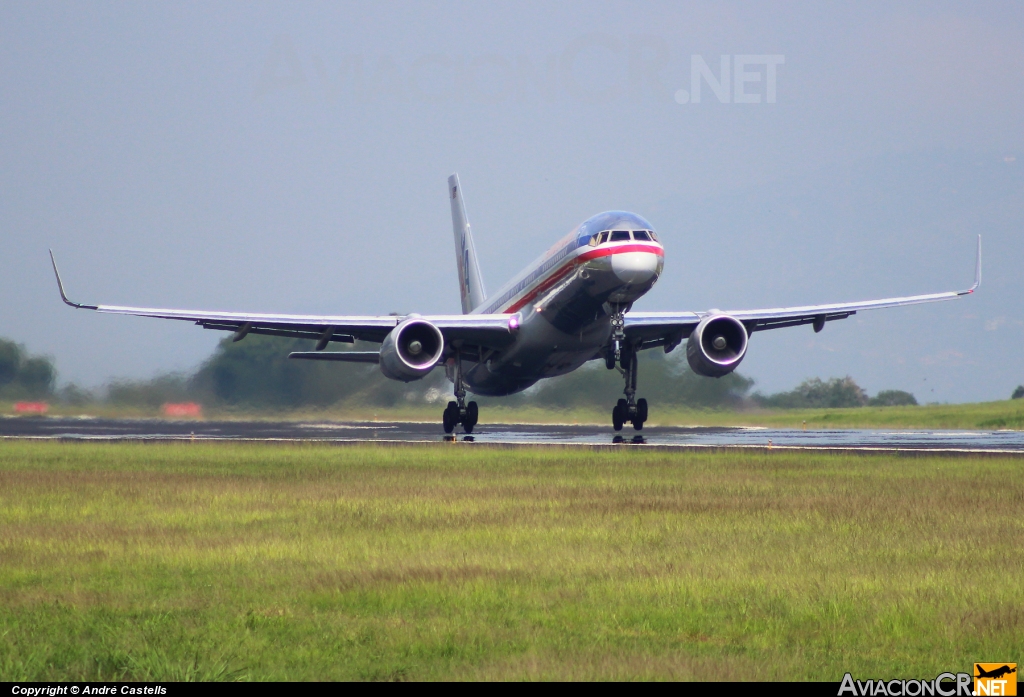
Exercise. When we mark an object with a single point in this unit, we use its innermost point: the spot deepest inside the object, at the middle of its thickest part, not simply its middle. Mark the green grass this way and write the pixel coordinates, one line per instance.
(1005, 414)
(228, 561)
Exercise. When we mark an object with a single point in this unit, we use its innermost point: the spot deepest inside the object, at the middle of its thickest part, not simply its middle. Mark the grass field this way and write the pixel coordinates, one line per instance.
(226, 561)
(1005, 414)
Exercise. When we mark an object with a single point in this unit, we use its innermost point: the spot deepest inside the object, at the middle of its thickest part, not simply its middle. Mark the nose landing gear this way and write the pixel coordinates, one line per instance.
(630, 409)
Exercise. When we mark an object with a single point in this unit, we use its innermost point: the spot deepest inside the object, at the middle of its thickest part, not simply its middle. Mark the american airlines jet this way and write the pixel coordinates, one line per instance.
(572, 305)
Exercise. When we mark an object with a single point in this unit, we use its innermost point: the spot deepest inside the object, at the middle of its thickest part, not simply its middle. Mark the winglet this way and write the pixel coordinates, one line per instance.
(977, 272)
(60, 286)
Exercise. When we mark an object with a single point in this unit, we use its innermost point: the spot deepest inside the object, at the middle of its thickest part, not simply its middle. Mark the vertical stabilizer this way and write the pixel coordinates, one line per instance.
(471, 284)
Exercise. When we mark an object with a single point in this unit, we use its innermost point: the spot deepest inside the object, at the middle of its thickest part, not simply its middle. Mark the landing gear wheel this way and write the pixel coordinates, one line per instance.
(609, 360)
(641, 414)
(451, 417)
(458, 411)
(617, 417)
(472, 414)
(620, 415)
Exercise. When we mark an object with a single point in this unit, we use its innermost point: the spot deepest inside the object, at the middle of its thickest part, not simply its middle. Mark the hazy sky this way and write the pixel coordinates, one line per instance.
(292, 157)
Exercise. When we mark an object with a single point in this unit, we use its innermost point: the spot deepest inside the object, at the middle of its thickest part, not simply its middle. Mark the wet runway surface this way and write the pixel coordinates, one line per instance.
(83, 428)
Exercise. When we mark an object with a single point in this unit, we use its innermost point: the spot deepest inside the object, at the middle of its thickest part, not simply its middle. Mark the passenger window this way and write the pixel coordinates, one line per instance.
(620, 236)
(641, 235)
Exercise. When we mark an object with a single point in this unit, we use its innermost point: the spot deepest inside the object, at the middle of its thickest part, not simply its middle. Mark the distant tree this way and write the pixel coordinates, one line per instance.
(22, 375)
(170, 387)
(10, 361)
(662, 379)
(257, 372)
(1018, 393)
(893, 398)
(74, 395)
(37, 376)
(816, 394)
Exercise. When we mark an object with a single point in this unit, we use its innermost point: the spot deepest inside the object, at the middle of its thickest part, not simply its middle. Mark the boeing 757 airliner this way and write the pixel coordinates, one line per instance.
(573, 305)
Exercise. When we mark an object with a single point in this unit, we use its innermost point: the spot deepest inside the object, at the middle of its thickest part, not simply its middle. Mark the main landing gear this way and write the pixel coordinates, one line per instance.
(459, 411)
(630, 409)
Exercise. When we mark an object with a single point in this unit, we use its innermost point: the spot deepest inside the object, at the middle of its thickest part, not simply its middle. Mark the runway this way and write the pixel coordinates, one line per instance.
(87, 428)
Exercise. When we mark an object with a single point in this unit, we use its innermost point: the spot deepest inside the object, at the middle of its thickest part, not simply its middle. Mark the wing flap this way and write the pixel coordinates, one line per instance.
(343, 356)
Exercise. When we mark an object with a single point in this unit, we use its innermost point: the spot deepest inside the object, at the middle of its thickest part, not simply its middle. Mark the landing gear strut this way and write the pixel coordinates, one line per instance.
(458, 411)
(618, 322)
(630, 409)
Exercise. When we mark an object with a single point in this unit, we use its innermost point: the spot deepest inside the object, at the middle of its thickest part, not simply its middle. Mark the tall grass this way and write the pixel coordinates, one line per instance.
(228, 561)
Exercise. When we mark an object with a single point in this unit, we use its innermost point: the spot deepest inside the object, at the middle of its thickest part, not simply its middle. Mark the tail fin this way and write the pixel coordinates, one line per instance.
(471, 283)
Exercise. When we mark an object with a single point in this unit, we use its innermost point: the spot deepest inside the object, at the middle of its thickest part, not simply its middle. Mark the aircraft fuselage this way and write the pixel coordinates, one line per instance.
(565, 300)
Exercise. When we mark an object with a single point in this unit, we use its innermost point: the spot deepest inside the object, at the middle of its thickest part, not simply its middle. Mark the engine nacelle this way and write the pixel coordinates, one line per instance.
(716, 346)
(411, 350)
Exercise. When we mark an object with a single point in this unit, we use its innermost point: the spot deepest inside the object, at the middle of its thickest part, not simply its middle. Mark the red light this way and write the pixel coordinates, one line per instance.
(183, 409)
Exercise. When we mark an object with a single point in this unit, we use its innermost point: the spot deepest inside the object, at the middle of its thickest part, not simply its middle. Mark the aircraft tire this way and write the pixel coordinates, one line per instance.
(609, 360)
(641, 410)
(617, 417)
(472, 416)
(451, 417)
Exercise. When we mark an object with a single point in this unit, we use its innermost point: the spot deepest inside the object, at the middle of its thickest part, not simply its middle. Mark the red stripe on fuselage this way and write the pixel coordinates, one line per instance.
(557, 276)
(621, 249)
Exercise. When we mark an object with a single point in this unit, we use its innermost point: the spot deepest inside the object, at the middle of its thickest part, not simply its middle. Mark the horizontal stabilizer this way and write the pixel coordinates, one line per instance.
(345, 356)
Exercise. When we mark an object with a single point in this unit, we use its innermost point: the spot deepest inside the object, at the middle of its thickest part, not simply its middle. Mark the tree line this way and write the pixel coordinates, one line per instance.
(257, 374)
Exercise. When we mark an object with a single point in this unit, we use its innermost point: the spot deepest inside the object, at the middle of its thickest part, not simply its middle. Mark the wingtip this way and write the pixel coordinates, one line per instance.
(60, 287)
(977, 267)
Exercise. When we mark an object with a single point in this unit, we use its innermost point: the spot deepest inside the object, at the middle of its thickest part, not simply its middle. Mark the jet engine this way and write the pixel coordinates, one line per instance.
(716, 346)
(411, 350)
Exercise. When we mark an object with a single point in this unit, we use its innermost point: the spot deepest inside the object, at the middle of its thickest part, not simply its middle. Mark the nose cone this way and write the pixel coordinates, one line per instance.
(636, 268)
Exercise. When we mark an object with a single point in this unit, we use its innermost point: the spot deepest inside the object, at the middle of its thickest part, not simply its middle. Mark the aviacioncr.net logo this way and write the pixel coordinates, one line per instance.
(995, 679)
(944, 685)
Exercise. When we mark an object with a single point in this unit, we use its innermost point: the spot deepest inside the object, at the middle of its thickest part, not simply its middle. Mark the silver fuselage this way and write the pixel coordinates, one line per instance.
(564, 301)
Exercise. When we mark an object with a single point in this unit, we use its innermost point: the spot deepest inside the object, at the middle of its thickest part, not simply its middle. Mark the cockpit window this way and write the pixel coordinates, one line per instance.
(595, 239)
(653, 236)
(641, 235)
(620, 236)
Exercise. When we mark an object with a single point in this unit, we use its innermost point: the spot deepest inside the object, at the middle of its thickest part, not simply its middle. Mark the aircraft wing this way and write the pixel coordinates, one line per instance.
(482, 331)
(669, 328)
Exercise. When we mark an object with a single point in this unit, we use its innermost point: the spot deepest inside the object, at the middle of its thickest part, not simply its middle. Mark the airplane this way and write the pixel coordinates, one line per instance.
(572, 305)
